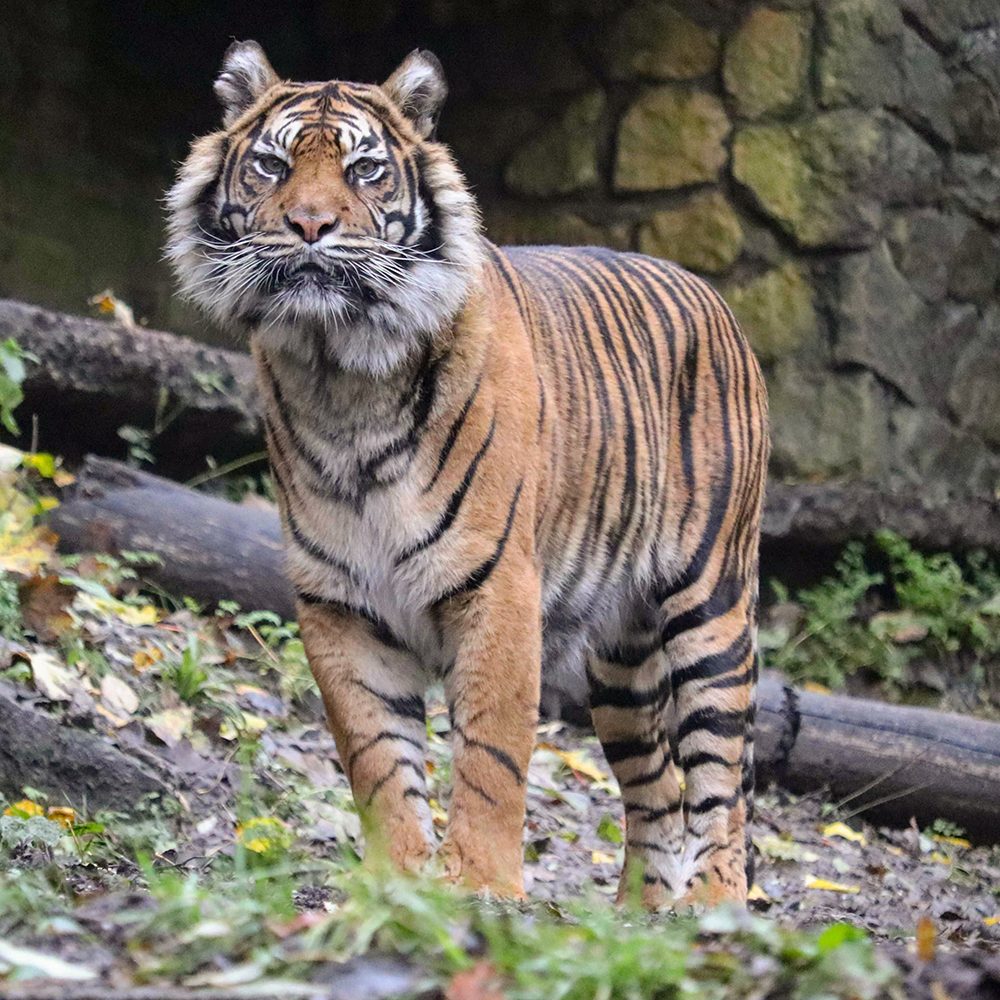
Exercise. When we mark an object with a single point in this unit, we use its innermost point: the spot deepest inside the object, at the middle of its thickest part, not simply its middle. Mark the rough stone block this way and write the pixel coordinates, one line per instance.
(922, 242)
(704, 234)
(505, 225)
(776, 311)
(975, 266)
(669, 138)
(767, 62)
(563, 158)
(825, 180)
(655, 40)
(975, 183)
(879, 319)
(825, 425)
(925, 96)
(858, 58)
(975, 387)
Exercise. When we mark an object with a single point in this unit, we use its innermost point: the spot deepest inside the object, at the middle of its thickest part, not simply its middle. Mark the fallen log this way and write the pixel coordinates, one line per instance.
(93, 376)
(884, 760)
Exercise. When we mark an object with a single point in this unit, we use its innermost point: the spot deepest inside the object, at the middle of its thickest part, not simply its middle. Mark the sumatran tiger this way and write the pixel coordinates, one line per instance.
(490, 462)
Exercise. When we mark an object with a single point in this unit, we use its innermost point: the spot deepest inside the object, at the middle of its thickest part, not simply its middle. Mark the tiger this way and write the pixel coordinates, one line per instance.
(489, 463)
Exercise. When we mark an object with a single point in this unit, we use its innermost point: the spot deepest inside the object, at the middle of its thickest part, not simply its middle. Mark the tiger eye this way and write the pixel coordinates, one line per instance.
(271, 164)
(365, 168)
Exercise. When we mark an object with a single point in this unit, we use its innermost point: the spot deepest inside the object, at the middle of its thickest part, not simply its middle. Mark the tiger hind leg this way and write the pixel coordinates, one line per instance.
(627, 689)
(710, 641)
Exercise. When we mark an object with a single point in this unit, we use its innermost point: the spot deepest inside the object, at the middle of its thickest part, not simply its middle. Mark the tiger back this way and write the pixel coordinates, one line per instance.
(490, 462)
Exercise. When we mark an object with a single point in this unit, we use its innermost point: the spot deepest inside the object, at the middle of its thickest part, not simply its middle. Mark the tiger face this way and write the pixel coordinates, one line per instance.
(324, 217)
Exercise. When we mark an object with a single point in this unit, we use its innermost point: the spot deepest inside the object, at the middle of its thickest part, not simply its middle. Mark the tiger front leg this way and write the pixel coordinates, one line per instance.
(373, 693)
(493, 692)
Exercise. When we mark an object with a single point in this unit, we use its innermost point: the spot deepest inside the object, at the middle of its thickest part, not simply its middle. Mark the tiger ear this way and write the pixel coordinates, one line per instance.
(244, 76)
(418, 88)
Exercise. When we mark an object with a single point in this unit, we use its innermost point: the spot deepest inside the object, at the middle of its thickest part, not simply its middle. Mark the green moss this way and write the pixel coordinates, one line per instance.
(776, 311)
(814, 178)
(564, 157)
(670, 138)
(767, 61)
(654, 40)
(704, 234)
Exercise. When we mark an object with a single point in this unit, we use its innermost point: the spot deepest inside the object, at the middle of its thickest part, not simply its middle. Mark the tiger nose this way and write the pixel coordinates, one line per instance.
(311, 226)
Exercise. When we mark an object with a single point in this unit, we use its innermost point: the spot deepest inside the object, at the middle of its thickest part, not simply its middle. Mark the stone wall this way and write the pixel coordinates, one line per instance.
(833, 166)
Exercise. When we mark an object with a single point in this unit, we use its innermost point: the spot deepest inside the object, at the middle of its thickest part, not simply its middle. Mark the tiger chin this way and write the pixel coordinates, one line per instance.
(489, 462)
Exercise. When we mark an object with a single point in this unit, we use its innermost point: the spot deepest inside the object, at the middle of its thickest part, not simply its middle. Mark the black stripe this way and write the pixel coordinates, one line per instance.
(650, 776)
(713, 721)
(714, 802)
(481, 574)
(408, 706)
(619, 750)
(715, 664)
(455, 502)
(453, 433)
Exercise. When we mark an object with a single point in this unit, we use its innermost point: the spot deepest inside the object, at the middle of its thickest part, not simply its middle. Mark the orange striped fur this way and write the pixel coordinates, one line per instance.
(491, 462)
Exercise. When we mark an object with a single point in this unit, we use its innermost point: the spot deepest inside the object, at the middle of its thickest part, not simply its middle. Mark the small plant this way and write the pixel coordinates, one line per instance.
(12, 374)
(11, 623)
(187, 676)
(879, 620)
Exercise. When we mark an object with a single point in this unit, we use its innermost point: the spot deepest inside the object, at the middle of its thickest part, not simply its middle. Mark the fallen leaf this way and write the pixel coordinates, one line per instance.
(44, 601)
(939, 858)
(52, 679)
(953, 841)
(609, 829)
(171, 725)
(757, 895)
(811, 882)
(118, 696)
(108, 304)
(784, 849)
(992, 921)
(815, 688)
(25, 961)
(478, 983)
(65, 816)
(926, 939)
(844, 832)
(600, 858)
(264, 835)
(24, 809)
(577, 761)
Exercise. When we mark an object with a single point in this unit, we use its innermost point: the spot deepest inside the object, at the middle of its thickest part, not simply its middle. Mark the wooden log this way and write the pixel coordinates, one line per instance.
(93, 376)
(210, 549)
(887, 761)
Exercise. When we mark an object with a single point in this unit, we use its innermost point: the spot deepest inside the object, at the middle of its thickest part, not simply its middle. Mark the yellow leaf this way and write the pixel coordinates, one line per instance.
(143, 659)
(264, 834)
(757, 895)
(41, 461)
(815, 688)
(941, 859)
(843, 831)
(926, 939)
(953, 841)
(992, 921)
(600, 858)
(65, 816)
(812, 882)
(24, 809)
(110, 607)
(577, 761)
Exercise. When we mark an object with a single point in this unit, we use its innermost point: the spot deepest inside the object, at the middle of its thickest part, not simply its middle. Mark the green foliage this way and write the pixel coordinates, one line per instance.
(186, 675)
(12, 375)
(928, 607)
(11, 623)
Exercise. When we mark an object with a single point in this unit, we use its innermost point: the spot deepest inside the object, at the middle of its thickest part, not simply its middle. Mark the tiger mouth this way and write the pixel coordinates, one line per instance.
(326, 277)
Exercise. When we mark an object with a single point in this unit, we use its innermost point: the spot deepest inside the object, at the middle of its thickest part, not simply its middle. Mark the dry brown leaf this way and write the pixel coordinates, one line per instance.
(54, 680)
(44, 601)
(926, 939)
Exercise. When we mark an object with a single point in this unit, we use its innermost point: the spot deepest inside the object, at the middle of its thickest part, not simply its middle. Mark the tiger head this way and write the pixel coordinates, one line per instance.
(324, 217)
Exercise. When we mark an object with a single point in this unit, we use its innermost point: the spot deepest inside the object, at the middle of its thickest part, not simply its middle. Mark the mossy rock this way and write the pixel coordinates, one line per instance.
(704, 234)
(563, 158)
(858, 61)
(654, 40)
(670, 138)
(825, 425)
(519, 228)
(767, 62)
(814, 178)
(776, 311)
